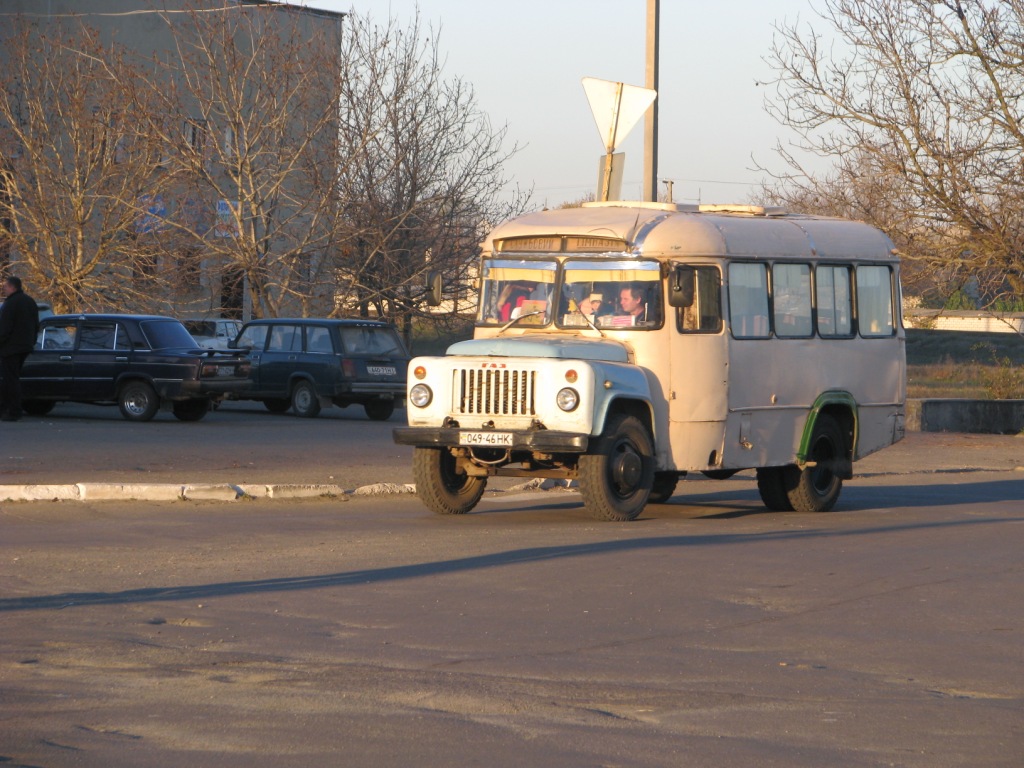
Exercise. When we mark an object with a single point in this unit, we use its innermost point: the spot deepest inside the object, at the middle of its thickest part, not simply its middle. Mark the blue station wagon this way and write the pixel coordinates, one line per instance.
(305, 364)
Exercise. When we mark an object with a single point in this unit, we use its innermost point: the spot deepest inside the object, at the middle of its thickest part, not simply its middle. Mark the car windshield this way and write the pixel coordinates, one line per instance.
(512, 288)
(367, 340)
(611, 294)
(167, 334)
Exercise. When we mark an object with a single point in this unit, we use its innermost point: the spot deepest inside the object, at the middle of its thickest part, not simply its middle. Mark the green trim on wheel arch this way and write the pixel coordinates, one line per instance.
(825, 399)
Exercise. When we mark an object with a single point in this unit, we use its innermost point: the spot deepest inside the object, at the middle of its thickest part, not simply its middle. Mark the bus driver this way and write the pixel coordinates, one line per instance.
(631, 299)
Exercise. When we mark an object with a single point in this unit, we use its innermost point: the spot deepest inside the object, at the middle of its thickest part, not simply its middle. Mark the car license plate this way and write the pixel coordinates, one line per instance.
(226, 370)
(381, 370)
(496, 439)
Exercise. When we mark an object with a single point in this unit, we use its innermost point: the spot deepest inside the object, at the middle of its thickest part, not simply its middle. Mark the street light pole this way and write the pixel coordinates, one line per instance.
(650, 191)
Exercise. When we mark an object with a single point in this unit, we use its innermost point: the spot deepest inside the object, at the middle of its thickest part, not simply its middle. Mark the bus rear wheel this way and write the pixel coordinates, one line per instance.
(772, 484)
(617, 475)
(440, 487)
(663, 487)
(818, 486)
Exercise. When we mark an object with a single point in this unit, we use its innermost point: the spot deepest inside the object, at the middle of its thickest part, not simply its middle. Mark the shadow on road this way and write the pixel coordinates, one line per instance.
(855, 498)
(494, 560)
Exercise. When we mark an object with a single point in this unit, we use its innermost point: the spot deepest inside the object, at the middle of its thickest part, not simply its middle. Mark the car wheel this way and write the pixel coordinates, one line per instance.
(305, 402)
(277, 404)
(440, 487)
(380, 410)
(191, 410)
(37, 407)
(138, 401)
(617, 475)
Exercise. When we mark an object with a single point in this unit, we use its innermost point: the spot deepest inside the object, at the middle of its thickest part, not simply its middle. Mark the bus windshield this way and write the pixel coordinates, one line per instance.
(610, 294)
(613, 294)
(511, 289)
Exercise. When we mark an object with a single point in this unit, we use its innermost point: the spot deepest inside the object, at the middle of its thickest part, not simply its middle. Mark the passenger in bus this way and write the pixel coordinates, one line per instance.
(633, 302)
(512, 298)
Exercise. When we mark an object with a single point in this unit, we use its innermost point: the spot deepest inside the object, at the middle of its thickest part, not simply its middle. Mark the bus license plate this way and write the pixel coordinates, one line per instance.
(496, 439)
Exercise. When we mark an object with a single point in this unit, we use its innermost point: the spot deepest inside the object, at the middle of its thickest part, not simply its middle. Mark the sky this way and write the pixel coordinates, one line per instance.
(525, 60)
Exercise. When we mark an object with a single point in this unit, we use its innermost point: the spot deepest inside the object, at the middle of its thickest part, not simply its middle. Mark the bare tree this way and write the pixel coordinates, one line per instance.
(250, 110)
(78, 193)
(423, 174)
(919, 106)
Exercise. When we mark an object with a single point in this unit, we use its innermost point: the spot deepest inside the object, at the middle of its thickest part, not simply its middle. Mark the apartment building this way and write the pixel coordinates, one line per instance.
(229, 211)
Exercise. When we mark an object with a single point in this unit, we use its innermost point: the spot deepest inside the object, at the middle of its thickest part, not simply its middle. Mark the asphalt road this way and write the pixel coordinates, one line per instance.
(369, 632)
(238, 443)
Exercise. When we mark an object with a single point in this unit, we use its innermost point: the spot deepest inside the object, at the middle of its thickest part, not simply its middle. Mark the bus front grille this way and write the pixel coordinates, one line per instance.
(494, 392)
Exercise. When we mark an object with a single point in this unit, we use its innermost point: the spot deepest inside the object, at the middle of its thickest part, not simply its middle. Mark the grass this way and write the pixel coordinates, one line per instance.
(965, 364)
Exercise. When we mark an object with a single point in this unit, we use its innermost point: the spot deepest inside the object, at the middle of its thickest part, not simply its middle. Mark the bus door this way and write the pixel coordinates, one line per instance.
(699, 388)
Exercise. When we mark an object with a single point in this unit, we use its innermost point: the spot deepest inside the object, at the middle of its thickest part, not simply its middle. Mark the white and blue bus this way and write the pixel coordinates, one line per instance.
(626, 344)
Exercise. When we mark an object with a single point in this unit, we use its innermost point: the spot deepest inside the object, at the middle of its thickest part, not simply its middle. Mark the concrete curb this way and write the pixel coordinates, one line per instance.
(173, 492)
(230, 492)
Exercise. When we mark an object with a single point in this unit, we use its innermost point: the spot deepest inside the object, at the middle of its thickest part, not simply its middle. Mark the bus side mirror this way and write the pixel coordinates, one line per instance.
(680, 287)
(433, 289)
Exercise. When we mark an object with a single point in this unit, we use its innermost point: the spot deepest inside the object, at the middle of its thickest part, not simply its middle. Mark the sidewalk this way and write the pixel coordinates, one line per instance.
(918, 453)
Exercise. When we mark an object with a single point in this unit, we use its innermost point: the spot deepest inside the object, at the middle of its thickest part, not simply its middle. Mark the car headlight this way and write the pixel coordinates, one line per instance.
(420, 395)
(567, 399)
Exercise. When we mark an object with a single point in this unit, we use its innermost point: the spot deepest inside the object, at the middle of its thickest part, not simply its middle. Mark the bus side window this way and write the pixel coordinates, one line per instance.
(874, 301)
(748, 300)
(702, 309)
(791, 290)
(834, 301)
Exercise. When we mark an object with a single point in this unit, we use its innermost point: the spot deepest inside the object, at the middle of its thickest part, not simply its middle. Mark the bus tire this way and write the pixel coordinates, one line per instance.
(617, 476)
(440, 487)
(817, 488)
(663, 488)
(772, 483)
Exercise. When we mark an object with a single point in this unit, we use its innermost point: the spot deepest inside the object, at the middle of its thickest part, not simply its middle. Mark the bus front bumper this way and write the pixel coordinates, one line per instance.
(535, 441)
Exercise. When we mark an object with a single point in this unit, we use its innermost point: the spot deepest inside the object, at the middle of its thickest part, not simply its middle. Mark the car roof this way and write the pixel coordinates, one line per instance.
(351, 322)
(110, 316)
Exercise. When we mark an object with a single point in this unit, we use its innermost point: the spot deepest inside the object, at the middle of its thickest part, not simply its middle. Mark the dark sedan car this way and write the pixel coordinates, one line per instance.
(310, 362)
(139, 362)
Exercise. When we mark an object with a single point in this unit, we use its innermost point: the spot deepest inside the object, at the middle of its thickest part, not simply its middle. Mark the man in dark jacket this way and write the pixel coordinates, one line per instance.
(19, 324)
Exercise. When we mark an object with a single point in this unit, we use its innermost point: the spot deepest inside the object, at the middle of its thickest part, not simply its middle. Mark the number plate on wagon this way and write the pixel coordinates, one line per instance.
(495, 439)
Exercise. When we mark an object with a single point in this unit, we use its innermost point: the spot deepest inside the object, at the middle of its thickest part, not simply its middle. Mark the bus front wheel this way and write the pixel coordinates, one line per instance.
(440, 487)
(617, 476)
(817, 487)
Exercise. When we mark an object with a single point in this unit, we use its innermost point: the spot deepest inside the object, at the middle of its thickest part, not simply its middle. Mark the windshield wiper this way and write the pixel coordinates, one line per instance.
(515, 320)
(512, 322)
(591, 324)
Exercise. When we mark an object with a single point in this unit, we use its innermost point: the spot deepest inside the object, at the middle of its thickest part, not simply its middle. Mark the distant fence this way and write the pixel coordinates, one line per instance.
(964, 320)
(1000, 417)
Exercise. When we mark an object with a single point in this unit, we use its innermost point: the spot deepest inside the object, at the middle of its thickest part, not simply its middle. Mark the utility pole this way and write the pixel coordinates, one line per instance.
(651, 118)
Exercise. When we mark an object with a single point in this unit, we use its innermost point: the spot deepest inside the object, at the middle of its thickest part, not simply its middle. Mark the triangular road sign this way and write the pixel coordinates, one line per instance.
(617, 107)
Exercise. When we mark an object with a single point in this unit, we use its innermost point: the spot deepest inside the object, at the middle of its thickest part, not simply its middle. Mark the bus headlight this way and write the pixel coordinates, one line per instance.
(567, 399)
(420, 395)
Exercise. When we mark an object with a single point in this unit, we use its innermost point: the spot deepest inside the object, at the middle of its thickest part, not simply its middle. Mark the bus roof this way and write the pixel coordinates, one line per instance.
(665, 229)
